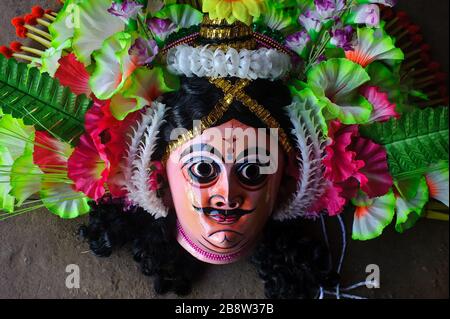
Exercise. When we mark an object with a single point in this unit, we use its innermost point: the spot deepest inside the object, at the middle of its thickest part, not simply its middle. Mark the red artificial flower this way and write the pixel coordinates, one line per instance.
(89, 167)
(50, 154)
(111, 134)
(73, 74)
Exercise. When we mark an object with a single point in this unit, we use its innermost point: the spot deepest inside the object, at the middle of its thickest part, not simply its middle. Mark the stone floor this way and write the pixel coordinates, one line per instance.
(36, 248)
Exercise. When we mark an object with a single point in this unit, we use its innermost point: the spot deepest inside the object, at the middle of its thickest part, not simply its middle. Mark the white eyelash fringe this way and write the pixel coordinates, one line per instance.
(311, 147)
(136, 169)
(245, 64)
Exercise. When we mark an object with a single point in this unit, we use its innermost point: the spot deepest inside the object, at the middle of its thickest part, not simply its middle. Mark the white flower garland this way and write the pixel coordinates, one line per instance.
(245, 64)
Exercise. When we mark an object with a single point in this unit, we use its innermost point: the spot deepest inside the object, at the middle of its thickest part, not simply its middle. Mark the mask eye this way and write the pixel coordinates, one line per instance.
(250, 174)
(204, 172)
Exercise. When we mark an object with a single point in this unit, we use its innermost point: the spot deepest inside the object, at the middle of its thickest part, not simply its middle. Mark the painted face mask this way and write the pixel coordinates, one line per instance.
(224, 185)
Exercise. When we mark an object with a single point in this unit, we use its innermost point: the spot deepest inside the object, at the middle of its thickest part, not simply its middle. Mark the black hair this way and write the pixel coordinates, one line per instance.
(290, 266)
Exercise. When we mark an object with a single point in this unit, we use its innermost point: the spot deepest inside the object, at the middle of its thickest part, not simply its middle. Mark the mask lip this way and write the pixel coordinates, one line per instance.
(201, 254)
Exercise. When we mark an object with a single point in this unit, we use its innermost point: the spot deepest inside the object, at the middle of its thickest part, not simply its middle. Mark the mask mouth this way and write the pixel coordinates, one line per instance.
(222, 216)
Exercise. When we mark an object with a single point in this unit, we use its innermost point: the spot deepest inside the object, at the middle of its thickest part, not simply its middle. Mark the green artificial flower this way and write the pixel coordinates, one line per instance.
(113, 66)
(374, 45)
(336, 82)
(372, 216)
(410, 207)
(92, 26)
(141, 89)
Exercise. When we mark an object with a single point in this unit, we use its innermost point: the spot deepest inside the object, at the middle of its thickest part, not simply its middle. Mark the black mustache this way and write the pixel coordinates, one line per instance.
(223, 212)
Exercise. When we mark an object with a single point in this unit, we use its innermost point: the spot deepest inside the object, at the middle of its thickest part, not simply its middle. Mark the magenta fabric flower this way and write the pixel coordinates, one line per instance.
(383, 109)
(352, 163)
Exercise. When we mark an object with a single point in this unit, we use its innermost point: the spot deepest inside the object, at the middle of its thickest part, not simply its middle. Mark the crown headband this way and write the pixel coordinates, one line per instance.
(225, 50)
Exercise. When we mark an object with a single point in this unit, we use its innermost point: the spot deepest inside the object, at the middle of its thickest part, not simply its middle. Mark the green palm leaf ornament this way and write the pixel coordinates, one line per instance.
(41, 100)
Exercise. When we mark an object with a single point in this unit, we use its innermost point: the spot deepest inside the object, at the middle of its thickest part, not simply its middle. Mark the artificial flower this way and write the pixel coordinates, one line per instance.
(57, 191)
(50, 154)
(352, 163)
(112, 135)
(336, 83)
(232, 10)
(126, 10)
(88, 167)
(73, 74)
(310, 22)
(297, 42)
(328, 9)
(340, 161)
(368, 14)
(63, 28)
(92, 27)
(372, 216)
(6, 162)
(113, 66)
(437, 180)
(142, 88)
(383, 109)
(342, 38)
(374, 177)
(409, 208)
(26, 178)
(162, 28)
(373, 45)
(143, 51)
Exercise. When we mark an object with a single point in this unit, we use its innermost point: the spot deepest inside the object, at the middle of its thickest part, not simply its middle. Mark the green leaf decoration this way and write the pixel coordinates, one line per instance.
(41, 101)
(414, 142)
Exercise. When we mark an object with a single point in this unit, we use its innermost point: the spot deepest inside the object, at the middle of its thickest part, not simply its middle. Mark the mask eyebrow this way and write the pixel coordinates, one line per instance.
(252, 151)
(201, 148)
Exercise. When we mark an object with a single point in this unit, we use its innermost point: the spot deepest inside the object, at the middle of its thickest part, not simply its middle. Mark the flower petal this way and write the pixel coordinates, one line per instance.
(438, 183)
(373, 216)
(95, 25)
(409, 210)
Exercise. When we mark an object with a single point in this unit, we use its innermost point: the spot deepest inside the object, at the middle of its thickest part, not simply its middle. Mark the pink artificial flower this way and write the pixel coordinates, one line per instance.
(73, 74)
(352, 163)
(340, 162)
(383, 110)
(89, 167)
(376, 178)
(110, 134)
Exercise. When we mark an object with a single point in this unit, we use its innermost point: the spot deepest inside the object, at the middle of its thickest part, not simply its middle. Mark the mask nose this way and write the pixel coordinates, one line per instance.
(219, 202)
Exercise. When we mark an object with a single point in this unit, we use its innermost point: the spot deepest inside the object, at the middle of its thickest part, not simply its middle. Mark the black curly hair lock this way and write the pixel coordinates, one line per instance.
(290, 267)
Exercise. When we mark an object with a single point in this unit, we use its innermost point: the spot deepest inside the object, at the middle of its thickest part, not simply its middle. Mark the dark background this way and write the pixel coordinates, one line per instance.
(36, 248)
